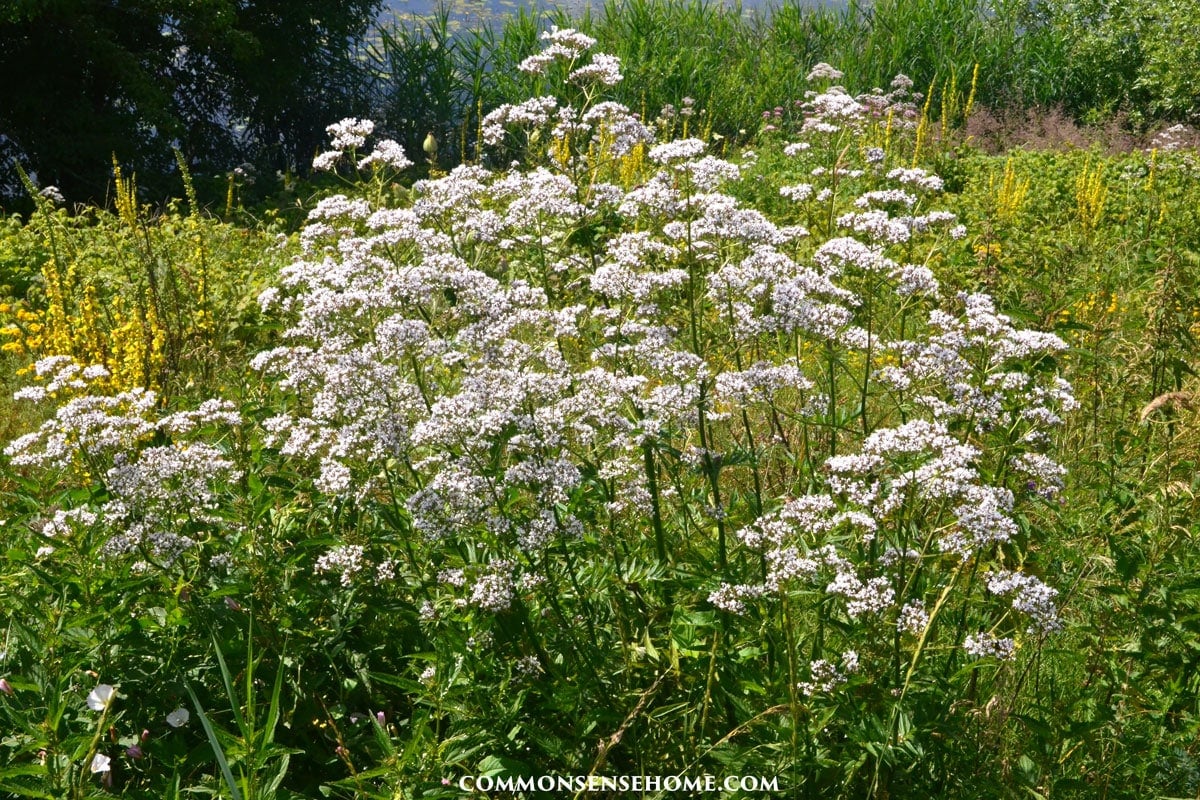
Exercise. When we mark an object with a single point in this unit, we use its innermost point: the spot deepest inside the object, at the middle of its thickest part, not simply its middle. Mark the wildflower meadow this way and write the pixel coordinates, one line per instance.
(842, 459)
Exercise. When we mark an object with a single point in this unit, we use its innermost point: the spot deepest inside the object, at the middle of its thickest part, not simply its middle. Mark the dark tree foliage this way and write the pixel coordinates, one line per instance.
(225, 81)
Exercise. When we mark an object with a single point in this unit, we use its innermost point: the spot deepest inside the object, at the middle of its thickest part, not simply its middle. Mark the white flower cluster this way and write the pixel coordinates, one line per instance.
(530, 114)
(350, 133)
(492, 592)
(913, 618)
(987, 645)
(834, 110)
(733, 598)
(605, 69)
(871, 597)
(387, 153)
(613, 128)
(91, 426)
(523, 376)
(347, 561)
(53, 194)
(155, 491)
(825, 676)
(565, 44)
(347, 136)
(824, 72)
(1030, 597)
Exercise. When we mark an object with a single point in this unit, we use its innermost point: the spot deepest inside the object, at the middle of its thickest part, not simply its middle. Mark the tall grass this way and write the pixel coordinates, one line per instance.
(734, 63)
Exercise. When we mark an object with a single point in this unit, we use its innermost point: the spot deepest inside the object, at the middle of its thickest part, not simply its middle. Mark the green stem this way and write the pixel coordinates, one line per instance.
(660, 541)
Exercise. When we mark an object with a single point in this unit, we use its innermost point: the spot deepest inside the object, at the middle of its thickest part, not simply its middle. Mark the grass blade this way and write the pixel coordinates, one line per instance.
(228, 680)
(222, 762)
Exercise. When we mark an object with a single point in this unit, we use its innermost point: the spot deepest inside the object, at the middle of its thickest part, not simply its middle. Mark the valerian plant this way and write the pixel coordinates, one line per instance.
(609, 402)
(650, 481)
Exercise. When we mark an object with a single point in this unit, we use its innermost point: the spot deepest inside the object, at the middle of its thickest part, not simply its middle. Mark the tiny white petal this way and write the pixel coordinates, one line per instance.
(100, 763)
(178, 717)
(100, 697)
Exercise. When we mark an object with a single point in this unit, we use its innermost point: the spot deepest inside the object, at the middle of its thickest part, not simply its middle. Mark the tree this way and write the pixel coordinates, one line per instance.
(225, 81)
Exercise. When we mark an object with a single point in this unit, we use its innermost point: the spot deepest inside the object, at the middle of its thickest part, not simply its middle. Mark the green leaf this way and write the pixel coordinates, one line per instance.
(222, 762)
(228, 680)
(16, 790)
(502, 765)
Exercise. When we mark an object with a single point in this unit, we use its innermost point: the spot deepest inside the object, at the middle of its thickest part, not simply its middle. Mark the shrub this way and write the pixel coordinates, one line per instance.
(160, 301)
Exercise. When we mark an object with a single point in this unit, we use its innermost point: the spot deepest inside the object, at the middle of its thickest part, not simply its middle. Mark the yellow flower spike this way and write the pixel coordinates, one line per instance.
(923, 125)
(125, 196)
(971, 97)
(229, 198)
(1090, 196)
(1012, 193)
(949, 103)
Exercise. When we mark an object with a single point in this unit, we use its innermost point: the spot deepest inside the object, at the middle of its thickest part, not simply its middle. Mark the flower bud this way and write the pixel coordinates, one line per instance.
(6, 687)
(134, 752)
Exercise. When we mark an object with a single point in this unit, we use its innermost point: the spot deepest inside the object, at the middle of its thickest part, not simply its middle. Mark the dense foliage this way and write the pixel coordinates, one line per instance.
(226, 82)
(1094, 60)
(254, 83)
(858, 460)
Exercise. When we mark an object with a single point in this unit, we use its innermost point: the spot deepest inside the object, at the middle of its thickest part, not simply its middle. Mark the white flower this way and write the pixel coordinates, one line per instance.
(604, 69)
(799, 192)
(53, 194)
(347, 559)
(985, 645)
(350, 132)
(326, 161)
(178, 718)
(100, 763)
(493, 592)
(387, 153)
(825, 677)
(99, 699)
(913, 618)
(677, 150)
(823, 71)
